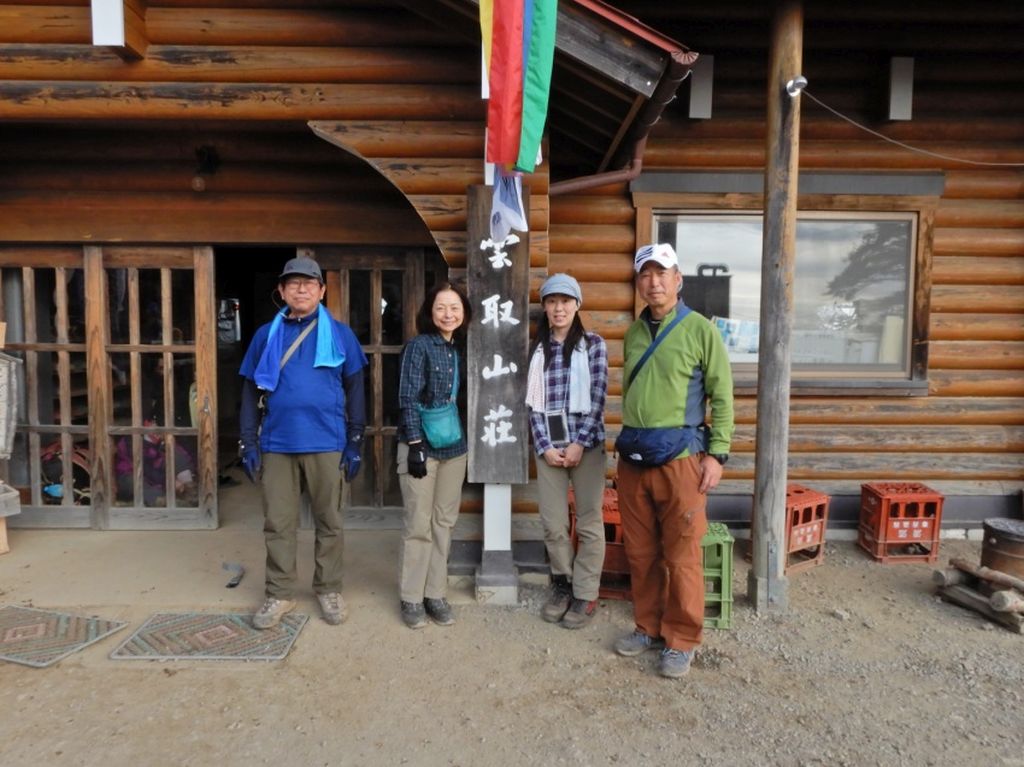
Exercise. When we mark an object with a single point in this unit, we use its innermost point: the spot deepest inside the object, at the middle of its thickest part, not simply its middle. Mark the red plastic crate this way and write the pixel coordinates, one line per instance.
(900, 521)
(615, 571)
(806, 521)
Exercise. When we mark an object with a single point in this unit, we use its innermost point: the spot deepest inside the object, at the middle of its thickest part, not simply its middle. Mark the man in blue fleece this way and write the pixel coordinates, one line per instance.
(302, 418)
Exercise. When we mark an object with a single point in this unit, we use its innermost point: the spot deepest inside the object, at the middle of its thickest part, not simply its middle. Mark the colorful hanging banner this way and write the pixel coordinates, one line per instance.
(519, 46)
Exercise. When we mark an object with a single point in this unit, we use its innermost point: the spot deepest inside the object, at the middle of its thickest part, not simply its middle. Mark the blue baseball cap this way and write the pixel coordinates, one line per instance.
(561, 285)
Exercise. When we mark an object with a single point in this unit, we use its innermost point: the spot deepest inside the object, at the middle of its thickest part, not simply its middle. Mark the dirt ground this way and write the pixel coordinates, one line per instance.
(867, 667)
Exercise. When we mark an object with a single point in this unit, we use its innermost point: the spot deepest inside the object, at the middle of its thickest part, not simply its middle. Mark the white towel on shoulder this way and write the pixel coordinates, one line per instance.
(579, 380)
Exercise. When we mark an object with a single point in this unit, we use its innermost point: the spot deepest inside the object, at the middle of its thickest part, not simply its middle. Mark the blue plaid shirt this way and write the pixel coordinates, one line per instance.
(585, 428)
(428, 363)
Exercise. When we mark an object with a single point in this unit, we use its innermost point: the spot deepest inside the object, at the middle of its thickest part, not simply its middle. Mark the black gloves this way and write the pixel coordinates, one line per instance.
(417, 460)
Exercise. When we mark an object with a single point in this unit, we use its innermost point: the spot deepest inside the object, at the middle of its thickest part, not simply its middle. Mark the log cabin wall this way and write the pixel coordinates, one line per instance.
(119, 150)
(966, 437)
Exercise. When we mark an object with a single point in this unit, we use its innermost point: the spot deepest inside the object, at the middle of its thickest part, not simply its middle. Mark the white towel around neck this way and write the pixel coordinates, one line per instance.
(579, 380)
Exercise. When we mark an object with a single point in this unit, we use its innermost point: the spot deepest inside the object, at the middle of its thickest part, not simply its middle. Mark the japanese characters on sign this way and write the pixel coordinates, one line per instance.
(498, 290)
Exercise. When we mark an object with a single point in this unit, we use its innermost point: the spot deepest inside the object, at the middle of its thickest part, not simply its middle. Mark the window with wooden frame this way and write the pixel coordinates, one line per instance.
(861, 276)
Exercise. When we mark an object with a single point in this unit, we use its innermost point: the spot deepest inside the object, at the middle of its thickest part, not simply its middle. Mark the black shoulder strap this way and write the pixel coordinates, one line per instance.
(295, 344)
(680, 315)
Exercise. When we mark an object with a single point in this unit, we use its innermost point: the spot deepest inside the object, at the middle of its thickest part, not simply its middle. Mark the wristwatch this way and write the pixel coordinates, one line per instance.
(720, 457)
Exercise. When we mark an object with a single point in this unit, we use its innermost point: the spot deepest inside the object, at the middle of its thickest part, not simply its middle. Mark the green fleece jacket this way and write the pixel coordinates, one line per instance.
(689, 368)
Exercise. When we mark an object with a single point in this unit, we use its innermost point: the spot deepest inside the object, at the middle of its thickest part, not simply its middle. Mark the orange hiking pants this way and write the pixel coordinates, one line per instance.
(663, 521)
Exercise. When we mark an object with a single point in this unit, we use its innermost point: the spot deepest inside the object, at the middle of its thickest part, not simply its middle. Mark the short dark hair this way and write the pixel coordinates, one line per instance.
(425, 316)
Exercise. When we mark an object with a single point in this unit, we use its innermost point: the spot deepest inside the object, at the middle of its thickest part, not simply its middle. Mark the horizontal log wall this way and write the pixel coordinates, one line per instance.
(966, 437)
(397, 93)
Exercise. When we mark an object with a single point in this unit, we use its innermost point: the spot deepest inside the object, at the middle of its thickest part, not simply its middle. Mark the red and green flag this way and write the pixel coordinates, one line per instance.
(519, 48)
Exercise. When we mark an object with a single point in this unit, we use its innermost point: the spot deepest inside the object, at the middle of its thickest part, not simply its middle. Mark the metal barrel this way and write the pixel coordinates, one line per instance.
(1003, 546)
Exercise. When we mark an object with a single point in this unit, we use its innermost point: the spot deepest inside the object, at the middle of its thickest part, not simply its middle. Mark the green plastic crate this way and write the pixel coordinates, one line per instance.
(717, 546)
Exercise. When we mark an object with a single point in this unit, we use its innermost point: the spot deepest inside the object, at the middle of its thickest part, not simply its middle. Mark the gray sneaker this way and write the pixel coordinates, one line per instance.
(637, 643)
(579, 614)
(439, 611)
(271, 613)
(333, 607)
(558, 603)
(674, 663)
(414, 615)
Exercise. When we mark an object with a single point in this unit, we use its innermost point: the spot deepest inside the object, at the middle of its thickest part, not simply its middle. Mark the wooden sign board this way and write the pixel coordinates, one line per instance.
(498, 283)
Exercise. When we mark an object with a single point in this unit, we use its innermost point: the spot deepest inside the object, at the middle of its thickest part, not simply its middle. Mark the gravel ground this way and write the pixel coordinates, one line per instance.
(867, 667)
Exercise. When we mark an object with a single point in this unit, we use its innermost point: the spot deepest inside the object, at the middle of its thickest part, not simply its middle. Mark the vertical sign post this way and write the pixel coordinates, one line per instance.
(498, 277)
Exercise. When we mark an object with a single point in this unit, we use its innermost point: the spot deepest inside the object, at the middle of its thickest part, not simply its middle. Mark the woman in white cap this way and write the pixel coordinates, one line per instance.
(566, 389)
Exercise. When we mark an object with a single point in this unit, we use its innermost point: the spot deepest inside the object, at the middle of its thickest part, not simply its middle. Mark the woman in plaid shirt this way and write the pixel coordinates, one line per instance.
(431, 477)
(566, 389)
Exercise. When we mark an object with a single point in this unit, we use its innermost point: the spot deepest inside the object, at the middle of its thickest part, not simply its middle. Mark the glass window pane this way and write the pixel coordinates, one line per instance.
(151, 323)
(392, 490)
(392, 302)
(392, 372)
(182, 288)
(120, 388)
(148, 486)
(117, 305)
(851, 291)
(359, 304)
(52, 459)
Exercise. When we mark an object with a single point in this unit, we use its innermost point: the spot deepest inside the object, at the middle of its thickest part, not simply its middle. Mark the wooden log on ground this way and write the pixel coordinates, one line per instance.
(950, 576)
(971, 599)
(1007, 601)
(988, 574)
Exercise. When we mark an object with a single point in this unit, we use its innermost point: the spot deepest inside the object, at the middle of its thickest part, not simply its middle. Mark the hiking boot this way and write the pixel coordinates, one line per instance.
(413, 614)
(271, 613)
(674, 663)
(579, 614)
(333, 607)
(637, 643)
(559, 601)
(439, 611)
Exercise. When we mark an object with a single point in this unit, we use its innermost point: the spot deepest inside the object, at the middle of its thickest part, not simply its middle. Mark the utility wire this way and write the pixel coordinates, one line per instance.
(882, 136)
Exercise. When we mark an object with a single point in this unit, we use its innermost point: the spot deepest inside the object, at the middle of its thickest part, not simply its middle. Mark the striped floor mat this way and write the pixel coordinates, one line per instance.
(209, 636)
(40, 638)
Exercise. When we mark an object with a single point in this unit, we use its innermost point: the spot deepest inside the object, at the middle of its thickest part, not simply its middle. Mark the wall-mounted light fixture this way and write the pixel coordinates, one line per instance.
(209, 161)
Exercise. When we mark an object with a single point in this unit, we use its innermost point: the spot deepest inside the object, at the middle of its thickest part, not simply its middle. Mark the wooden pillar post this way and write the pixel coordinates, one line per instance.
(498, 285)
(767, 585)
(100, 403)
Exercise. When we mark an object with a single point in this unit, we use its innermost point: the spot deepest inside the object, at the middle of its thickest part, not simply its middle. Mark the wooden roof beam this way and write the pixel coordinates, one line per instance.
(121, 25)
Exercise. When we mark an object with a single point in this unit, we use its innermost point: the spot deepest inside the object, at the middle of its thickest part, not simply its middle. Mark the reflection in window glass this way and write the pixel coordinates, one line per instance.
(141, 470)
(391, 308)
(851, 291)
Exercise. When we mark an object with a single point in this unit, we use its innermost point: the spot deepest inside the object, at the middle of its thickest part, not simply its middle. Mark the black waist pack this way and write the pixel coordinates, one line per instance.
(653, 447)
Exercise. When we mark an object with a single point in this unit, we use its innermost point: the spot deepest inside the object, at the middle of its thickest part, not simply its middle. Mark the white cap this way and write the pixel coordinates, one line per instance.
(662, 254)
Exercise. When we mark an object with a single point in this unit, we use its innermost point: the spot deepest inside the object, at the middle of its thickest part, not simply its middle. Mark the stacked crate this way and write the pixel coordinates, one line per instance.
(717, 545)
(806, 521)
(900, 521)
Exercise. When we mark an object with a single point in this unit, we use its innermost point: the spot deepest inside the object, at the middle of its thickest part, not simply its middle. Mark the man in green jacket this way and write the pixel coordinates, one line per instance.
(663, 507)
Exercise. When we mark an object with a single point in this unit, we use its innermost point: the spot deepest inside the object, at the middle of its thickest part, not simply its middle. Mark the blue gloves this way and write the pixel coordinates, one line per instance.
(417, 460)
(251, 459)
(351, 460)
(351, 457)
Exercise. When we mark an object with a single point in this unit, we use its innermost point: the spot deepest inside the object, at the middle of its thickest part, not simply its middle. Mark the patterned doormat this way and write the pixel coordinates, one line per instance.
(40, 638)
(209, 636)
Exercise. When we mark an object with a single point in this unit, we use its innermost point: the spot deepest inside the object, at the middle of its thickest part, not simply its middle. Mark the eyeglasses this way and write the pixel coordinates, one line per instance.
(296, 283)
